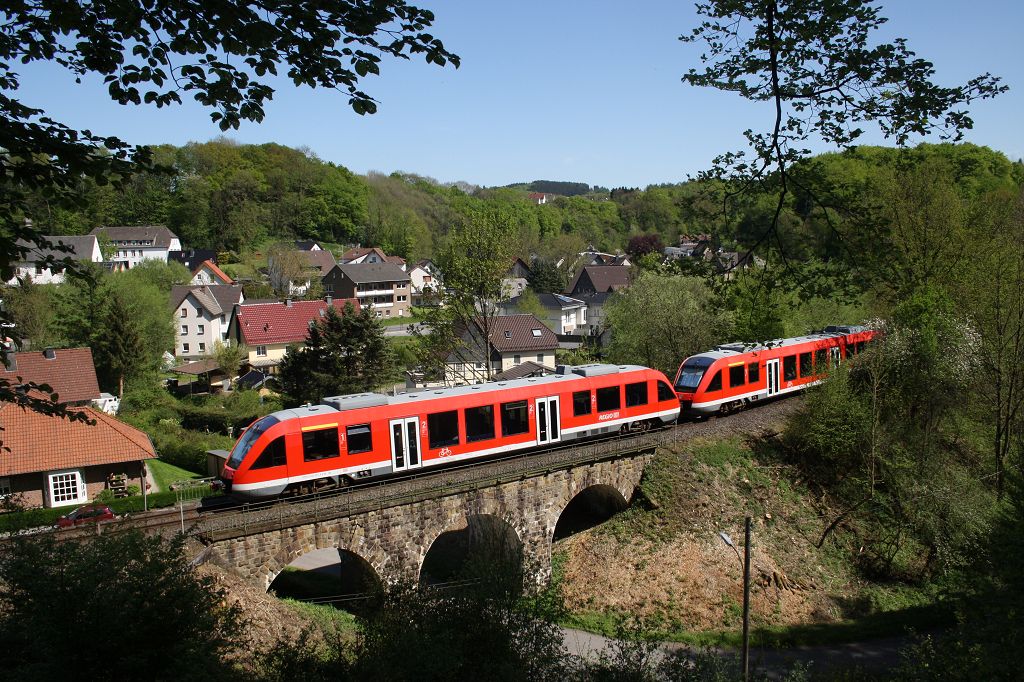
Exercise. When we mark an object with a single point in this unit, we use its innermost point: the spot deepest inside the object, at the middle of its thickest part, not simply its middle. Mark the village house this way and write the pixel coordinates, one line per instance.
(33, 267)
(267, 329)
(513, 340)
(307, 245)
(208, 273)
(515, 280)
(54, 462)
(316, 264)
(599, 279)
(135, 244)
(425, 280)
(192, 258)
(563, 314)
(384, 288)
(202, 317)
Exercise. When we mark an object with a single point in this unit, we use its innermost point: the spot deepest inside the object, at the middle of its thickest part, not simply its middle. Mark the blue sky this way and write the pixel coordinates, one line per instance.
(580, 91)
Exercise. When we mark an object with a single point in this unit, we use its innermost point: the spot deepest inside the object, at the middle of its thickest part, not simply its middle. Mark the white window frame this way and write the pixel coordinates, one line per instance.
(81, 492)
(202, 347)
(200, 329)
(184, 330)
(184, 312)
(261, 351)
(184, 348)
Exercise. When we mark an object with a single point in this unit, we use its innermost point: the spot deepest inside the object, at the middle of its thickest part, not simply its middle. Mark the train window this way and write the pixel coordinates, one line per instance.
(806, 368)
(860, 347)
(443, 428)
(736, 375)
(479, 423)
(272, 456)
(665, 392)
(580, 403)
(359, 438)
(789, 367)
(608, 399)
(821, 360)
(716, 382)
(514, 419)
(320, 444)
(753, 373)
(636, 394)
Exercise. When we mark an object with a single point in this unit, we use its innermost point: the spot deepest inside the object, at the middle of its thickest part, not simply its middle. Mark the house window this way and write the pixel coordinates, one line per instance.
(636, 394)
(201, 329)
(66, 487)
(580, 403)
(261, 351)
(5, 487)
(443, 428)
(359, 439)
(608, 399)
(535, 332)
(202, 347)
(514, 419)
(320, 443)
(272, 456)
(516, 359)
(184, 330)
(184, 348)
(401, 298)
(184, 312)
(479, 423)
(736, 375)
(540, 358)
(39, 268)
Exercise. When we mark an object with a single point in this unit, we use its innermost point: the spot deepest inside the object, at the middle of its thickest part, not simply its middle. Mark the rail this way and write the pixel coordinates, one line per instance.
(422, 486)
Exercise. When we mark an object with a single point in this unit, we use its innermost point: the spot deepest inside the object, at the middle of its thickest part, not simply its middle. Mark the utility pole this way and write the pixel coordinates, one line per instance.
(746, 600)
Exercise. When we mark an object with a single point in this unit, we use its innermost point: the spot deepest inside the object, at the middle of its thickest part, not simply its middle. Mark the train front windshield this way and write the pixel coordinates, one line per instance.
(691, 373)
(244, 443)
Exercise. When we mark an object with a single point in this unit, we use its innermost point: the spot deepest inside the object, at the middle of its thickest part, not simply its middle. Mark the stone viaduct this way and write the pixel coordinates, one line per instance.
(394, 535)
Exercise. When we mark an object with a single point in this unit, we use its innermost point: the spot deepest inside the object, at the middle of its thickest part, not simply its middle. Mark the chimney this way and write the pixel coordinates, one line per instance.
(328, 299)
(288, 301)
(50, 354)
(11, 362)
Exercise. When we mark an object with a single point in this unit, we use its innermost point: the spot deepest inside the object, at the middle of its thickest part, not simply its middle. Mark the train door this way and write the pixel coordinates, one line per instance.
(836, 355)
(548, 429)
(405, 444)
(772, 368)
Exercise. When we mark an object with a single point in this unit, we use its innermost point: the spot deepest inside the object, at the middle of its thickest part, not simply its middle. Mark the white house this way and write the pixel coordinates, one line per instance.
(425, 280)
(83, 248)
(202, 315)
(135, 244)
(208, 273)
(563, 314)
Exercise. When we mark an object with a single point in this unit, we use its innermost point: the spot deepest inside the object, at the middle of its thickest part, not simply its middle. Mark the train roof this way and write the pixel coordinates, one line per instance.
(362, 400)
(727, 350)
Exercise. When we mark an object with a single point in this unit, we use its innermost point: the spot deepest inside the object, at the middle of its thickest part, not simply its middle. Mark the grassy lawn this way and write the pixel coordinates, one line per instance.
(165, 474)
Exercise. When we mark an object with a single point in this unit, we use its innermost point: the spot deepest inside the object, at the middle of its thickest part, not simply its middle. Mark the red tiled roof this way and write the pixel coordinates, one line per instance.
(359, 252)
(38, 442)
(70, 373)
(217, 272)
(510, 333)
(266, 323)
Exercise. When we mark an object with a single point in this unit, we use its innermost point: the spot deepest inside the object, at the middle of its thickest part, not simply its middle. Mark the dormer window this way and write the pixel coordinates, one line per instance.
(508, 335)
(536, 332)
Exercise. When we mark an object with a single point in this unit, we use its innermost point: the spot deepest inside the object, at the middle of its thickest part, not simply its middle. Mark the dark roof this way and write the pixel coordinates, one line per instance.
(217, 298)
(266, 323)
(553, 301)
(603, 277)
(362, 273)
(199, 367)
(522, 371)
(251, 379)
(158, 234)
(321, 260)
(510, 333)
(81, 248)
(70, 373)
(37, 442)
(307, 245)
(192, 258)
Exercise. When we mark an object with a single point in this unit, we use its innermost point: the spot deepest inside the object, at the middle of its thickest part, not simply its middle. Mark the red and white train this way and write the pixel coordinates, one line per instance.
(369, 435)
(734, 375)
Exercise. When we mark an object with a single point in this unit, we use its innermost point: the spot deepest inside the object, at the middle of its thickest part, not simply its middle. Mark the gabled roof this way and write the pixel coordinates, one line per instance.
(554, 301)
(38, 442)
(217, 272)
(511, 333)
(192, 258)
(360, 251)
(321, 260)
(158, 234)
(307, 245)
(603, 277)
(82, 247)
(363, 273)
(523, 370)
(217, 299)
(261, 324)
(70, 373)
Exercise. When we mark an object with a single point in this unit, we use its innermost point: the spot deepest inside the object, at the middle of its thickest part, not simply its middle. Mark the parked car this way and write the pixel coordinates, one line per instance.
(90, 513)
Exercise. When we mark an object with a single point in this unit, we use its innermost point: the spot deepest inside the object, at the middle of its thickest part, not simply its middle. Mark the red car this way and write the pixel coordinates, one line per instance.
(90, 513)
